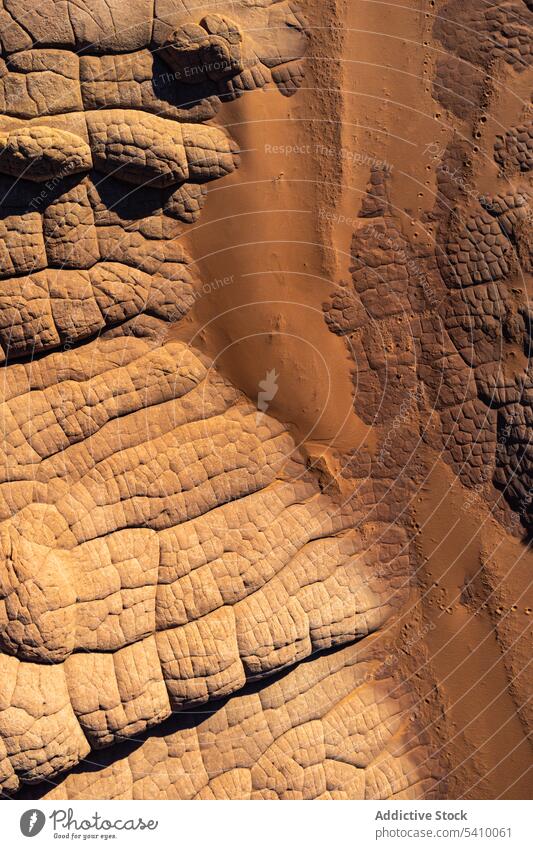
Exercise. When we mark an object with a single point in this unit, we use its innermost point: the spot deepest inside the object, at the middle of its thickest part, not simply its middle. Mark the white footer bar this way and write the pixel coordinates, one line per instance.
(265, 825)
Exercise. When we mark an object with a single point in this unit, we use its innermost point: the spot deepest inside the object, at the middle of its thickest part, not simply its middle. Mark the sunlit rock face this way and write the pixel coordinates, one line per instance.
(163, 543)
(190, 599)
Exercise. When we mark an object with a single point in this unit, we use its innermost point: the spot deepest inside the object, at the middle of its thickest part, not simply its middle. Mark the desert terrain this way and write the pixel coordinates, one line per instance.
(266, 472)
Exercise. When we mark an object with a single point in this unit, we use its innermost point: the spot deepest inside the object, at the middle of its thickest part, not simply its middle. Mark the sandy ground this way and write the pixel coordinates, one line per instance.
(272, 239)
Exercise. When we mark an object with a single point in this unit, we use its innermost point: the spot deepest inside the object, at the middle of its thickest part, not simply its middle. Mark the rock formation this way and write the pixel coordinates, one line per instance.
(193, 598)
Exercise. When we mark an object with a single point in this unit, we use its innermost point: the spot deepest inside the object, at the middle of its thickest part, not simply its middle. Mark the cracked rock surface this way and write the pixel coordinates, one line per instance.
(164, 545)
(196, 600)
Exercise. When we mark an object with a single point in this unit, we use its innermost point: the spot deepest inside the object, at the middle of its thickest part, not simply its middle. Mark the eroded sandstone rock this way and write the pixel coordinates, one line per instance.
(187, 599)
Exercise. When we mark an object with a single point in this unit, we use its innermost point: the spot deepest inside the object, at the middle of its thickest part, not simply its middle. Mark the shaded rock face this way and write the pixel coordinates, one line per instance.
(458, 313)
(164, 544)
(435, 312)
(192, 605)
